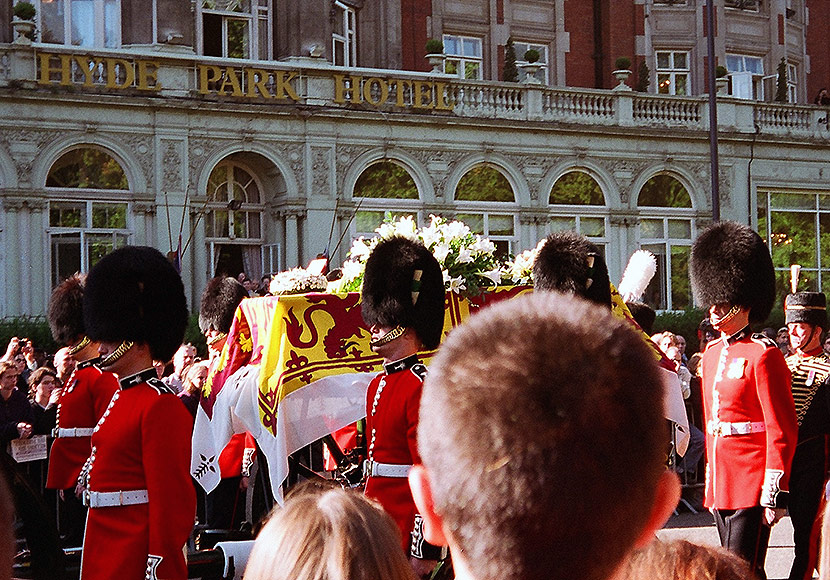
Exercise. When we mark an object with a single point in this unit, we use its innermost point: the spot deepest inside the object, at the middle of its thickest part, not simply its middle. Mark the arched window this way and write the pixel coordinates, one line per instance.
(667, 230)
(384, 189)
(84, 225)
(486, 203)
(233, 220)
(577, 203)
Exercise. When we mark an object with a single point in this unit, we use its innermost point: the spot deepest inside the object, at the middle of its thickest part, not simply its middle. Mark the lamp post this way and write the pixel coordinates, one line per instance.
(713, 109)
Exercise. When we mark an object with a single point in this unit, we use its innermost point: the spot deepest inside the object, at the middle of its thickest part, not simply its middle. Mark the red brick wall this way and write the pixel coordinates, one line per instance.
(579, 61)
(414, 34)
(818, 47)
(619, 27)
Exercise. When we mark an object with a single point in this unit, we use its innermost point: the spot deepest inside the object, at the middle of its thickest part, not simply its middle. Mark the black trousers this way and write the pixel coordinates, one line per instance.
(744, 532)
(806, 487)
(225, 505)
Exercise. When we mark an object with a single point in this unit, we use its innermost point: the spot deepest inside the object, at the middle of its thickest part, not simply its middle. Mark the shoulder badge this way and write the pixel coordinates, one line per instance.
(420, 371)
(160, 387)
(764, 339)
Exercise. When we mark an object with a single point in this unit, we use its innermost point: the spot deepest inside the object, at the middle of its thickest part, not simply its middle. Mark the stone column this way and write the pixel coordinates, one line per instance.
(13, 255)
(37, 262)
(292, 240)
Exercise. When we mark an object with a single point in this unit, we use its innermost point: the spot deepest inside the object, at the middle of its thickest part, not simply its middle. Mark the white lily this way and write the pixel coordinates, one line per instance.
(493, 275)
(406, 227)
(441, 251)
(457, 284)
(465, 256)
(456, 229)
(360, 249)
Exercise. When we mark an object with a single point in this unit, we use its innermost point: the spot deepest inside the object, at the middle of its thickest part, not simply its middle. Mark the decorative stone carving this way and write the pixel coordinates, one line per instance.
(320, 170)
(345, 157)
(142, 148)
(293, 153)
(439, 164)
(171, 165)
(625, 171)
(146, 208)
(200, 149)
(24, 170)
(533, 168)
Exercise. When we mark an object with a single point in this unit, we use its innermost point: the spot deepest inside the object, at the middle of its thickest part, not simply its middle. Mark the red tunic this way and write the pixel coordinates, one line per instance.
(747, 381)
(142, 442)
(82, 402)
(395, 424)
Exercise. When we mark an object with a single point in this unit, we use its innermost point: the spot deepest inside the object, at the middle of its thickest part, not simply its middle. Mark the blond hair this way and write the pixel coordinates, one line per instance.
(682, 560)
(328, 535)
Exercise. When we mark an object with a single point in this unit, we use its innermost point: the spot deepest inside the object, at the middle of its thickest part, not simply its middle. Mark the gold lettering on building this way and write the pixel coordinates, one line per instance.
(88, 71)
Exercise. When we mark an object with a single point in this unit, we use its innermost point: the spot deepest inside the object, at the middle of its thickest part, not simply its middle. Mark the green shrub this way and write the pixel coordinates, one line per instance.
(35, 328)
(686, 322)
(720, 71)
(434, 46)
(531, 55)
(622, 63)
(24, 10)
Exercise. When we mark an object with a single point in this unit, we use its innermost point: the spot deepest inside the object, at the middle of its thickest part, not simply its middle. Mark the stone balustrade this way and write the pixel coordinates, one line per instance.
(309, 81)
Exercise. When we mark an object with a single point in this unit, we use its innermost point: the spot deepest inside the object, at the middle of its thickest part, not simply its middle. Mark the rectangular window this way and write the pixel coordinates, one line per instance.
(464, 56)
(543, 73)
(344, 36)
(236, 29)
(82, 232)
(792, 83)
(751, 5)
(88, 23)
(672, 72)
(747, 76)
(499, 228)
(670, 240)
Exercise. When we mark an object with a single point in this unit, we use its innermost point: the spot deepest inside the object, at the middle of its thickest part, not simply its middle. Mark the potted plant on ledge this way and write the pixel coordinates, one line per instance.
(621, 72)
(24, 22)
(435, 55)
(721, 80)
(531, 67)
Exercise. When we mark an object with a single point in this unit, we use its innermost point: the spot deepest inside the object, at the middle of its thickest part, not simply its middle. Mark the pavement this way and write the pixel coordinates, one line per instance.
(700, 528)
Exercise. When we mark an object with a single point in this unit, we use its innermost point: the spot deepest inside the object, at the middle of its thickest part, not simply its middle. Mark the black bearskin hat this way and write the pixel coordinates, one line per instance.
(809, 307)
(643, 314)
(731, 264)
(219, 301)
(567, 262)
(66, 314)
(135, 294)
(390, 286)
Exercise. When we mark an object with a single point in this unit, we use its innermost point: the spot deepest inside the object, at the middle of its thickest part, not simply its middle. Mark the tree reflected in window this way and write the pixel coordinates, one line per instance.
(576, 188)
(87, 168)
(386, 180)
(664, 191)
(484, 183)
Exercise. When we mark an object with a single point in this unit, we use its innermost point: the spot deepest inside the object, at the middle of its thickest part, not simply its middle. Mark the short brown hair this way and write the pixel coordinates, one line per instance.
(329, 535)
(682, 559)
(37, 376)
(542, 433)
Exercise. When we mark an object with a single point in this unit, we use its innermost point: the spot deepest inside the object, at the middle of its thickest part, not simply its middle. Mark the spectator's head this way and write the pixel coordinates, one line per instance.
(183, 358)
(706, 333)
(782, 337)
(134, 297)
(42, 382)
(8, 378)
(680, 342)
(195, 377)
(64, 363)
(567, 262)
(543, 442)
(682, 559)
(333, 535)
(219, 301)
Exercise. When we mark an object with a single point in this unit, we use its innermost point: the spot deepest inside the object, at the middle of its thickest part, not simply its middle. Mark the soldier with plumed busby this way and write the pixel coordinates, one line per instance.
(805, 314)
(136, 482)
(83, 400)
(750, 417)
(403, 304)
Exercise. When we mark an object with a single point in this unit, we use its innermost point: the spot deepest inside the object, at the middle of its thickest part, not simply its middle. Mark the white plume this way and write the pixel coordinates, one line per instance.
(638, 273)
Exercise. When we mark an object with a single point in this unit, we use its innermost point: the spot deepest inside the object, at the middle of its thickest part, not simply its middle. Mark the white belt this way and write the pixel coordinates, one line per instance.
(377, 469)
(73, 432)
(99, 499)
(726, 429)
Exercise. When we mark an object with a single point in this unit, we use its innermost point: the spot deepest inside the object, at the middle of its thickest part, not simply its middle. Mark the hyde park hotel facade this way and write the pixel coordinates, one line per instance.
(261, 132)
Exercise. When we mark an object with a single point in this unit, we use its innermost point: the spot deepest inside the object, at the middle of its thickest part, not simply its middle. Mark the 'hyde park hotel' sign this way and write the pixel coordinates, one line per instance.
(243, 82)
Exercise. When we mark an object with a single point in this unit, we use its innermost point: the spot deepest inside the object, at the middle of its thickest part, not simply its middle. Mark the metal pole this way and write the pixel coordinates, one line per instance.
(713, 108)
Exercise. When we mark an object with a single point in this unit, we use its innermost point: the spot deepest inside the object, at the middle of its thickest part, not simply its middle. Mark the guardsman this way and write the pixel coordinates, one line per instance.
(751, 427)
(806, 317)
(403, 304)
(83, 400)
(137, 482)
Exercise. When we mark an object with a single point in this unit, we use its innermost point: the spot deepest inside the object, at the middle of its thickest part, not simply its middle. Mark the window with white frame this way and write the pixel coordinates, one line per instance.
(751, 5)
(792, 83)
(233, 220)
(81, 231)
(672, 72)
(485, 201)
(344, 35)
(236, 28)
(796, 226)
(385, 190)
(464, 56)
(747, 76)
(667, 229)
(577, 203)
(543, 74)
(88, 23)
